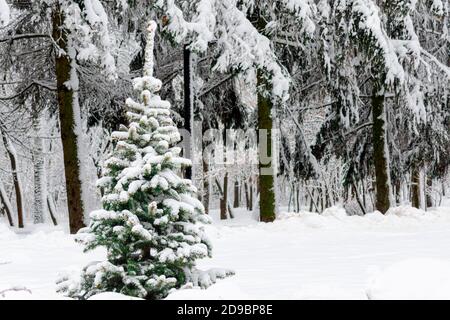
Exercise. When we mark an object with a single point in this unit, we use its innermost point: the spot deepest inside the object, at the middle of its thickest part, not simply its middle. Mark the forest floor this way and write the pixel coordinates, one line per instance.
(404, 254)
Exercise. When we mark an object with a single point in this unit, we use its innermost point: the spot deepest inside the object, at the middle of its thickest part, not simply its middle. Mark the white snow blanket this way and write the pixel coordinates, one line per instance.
(401, 255)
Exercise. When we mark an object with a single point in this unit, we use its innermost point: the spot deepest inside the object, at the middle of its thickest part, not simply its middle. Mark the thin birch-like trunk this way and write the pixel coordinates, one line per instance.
(40, 192)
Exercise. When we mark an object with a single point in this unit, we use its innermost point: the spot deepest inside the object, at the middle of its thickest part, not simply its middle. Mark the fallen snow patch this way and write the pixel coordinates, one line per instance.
(300, 256)
(413, 279)
(6, 233)
(322, 292)
(223, 290)
(337, 212)
(406, 211)
(112, 296)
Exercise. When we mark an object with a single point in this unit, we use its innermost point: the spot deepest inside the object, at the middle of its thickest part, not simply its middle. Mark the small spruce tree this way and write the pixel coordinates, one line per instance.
(151, 223)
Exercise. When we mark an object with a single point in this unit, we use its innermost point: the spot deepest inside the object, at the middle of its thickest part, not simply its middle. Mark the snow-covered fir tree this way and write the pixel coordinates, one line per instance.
(151, 222)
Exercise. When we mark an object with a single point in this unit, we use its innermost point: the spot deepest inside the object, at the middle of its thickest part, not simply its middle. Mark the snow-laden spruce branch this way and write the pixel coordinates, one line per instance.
(242, 46)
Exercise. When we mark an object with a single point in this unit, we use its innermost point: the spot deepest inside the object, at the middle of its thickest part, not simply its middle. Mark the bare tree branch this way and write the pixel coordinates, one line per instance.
(25, 36)
(43, 84)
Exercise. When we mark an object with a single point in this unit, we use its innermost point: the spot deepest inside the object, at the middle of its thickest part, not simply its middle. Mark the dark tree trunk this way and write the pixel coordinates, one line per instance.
(327, 197)
(206, 186)
(236, 194)
(380, 156)
(251, 191)
(266, 171)
(17, 186)
(67, 124)
(188, 108)
(355, 191)
(320, 199)
(415, 187)
(228, 206)
(224, 198)
(51, 209)
(428, 190)
(398, 187)
(247, 195)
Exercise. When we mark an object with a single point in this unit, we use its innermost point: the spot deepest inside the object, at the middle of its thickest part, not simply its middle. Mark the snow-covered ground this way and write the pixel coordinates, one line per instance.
(404, 254)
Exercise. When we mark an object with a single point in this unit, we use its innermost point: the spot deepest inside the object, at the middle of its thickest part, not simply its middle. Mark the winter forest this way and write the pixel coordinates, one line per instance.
(224, 149)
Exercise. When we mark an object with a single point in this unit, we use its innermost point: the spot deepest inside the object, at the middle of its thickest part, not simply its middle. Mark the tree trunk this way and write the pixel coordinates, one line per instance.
(224, 198)
(311, 203)
(66, 99)
(398, 187)
(326, 198)
(429, 190)
(415, 187)
(236, 194)
(247, 195)
(251, 190)
(39, 206)
(380, 153)
(188, 108)
(363, 184)
(291, 195)
(355, 191)
(230, 210)
(52, 209)
(267, 205)
(206, 186)
(7, 207)
(17, 184)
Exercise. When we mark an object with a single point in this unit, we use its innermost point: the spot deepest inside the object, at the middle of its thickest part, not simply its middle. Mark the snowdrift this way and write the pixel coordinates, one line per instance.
(401, 255)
